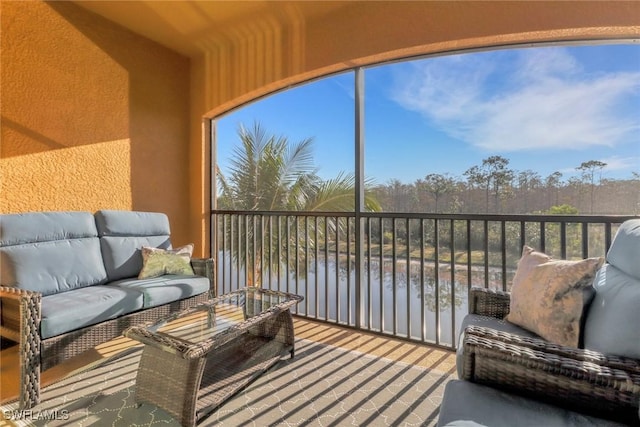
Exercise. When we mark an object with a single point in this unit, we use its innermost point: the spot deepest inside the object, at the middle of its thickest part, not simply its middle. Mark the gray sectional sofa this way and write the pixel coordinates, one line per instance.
(511, 376)
(68, 282)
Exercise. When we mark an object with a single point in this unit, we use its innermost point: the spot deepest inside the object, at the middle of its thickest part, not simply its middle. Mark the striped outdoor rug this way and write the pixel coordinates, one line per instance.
(323, 385)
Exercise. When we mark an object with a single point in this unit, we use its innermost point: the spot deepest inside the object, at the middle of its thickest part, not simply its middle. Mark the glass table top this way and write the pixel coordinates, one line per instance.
(222, 315)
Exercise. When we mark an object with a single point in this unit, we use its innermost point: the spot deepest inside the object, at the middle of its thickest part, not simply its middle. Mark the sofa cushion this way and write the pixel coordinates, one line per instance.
(157, 262)
(124, 233)
(165, 289)
(487, 406)
(549, 297)
(487, 322)
(625, 248)
(68, 311)
(33, 227)
(131, 223)
(50, 252)
(612, 324)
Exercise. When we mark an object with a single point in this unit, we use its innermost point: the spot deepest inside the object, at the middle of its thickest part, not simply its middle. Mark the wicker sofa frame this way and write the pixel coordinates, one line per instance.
(586, 381)
(22, 317)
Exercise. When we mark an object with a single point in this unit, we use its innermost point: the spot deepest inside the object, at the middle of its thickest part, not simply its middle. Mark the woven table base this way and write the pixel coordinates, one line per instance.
(229, 369)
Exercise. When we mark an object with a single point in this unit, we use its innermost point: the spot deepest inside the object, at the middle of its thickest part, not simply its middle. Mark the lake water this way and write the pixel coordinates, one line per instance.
(330, 294)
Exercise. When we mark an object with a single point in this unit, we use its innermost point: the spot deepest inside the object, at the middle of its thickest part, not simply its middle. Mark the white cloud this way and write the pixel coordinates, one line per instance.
(541, 64)
(433, 90)
(617, 163)
(544, 100)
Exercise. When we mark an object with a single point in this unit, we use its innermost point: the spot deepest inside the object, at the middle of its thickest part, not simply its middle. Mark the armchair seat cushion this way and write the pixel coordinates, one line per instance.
(487, 322)
(71, 310)
(476, 404)
(164, 289)
(498, 324)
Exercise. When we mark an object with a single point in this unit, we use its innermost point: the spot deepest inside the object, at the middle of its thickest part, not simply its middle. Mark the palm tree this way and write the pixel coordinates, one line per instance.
(268, 173)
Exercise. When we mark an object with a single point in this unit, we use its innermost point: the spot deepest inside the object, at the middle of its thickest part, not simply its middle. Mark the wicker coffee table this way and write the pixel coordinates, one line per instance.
(194, 360)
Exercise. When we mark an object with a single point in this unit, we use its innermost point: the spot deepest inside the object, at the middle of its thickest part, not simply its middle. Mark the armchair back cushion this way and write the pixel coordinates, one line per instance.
(50, 252)
(613, 320)
(122, 235)
(624, 252)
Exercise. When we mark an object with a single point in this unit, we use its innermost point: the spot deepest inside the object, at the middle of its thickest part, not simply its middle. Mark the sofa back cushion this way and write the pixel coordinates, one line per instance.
(613, 317)
(122, 235)
(50, 252)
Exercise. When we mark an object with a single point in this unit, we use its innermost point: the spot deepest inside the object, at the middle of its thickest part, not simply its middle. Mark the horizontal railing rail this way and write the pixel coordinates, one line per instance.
(414, 270)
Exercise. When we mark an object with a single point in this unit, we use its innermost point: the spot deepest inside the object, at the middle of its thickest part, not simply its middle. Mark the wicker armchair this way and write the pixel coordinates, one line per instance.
(587, 381)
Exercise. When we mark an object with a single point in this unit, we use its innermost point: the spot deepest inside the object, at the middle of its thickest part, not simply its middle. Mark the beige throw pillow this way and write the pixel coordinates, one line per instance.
(157, 262)
(548, 296)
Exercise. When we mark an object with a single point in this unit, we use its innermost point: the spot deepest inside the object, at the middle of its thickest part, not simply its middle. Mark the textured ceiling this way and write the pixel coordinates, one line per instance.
(194, 27)
(183, 25)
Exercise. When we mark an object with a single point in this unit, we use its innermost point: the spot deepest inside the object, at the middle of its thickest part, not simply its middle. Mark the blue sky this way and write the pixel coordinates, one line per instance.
(545, 109)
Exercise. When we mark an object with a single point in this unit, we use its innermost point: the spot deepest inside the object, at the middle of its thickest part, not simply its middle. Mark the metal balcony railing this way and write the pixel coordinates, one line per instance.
(404, 275)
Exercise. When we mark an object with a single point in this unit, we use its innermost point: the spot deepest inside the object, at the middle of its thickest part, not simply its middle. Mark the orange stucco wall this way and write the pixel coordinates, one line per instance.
(93, 116)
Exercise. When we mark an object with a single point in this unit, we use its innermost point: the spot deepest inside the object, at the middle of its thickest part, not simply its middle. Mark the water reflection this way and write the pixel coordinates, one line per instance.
(396, 297)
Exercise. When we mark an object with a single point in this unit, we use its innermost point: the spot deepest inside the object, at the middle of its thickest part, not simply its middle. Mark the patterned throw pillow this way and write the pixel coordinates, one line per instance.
(157, 262)
(548, 296)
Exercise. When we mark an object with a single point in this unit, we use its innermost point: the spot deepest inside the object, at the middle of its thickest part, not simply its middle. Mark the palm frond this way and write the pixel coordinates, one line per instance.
(268, 172)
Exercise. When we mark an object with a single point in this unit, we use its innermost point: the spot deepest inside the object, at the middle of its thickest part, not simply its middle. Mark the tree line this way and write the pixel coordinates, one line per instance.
(493, 187)
(269, 173)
